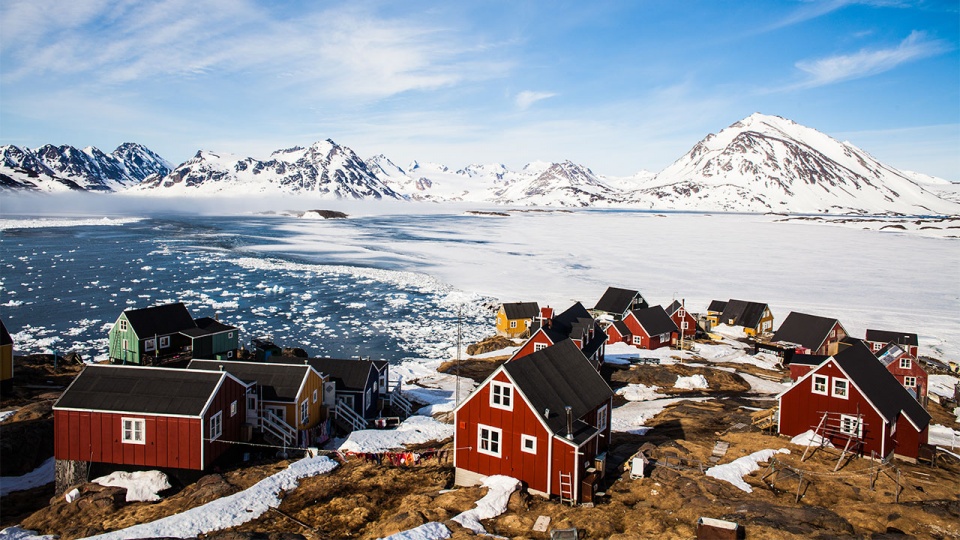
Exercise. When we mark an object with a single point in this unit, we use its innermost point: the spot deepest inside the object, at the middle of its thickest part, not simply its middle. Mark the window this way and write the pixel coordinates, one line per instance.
(368, 398)
(910, 382)
(150, 345)
(164, 342)
(820, 384)
(602, 418)
(528, 444)
(251, 403)
(229, 354)
(216, 426)
(123, 325)
(905, 363)
(539, 346)
(665, 337)
(133, 430)
(637, 340)
(304, 411)
(851, 425)
(501, 396)
(315, 395)
(488, 440)
(681, 313)
(233, 408)
(840, 388)
(684, 325)
(229, 334)
(513, 324)
(877, 346)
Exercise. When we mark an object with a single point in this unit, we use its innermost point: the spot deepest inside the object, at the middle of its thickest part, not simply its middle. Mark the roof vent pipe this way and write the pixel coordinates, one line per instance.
(569, 410)
(221, 367)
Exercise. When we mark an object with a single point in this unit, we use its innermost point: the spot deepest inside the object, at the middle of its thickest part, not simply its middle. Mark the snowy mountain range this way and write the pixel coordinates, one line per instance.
(759, 164)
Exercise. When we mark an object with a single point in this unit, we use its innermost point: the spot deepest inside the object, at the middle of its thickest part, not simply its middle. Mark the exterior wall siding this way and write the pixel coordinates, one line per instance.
(232, 425)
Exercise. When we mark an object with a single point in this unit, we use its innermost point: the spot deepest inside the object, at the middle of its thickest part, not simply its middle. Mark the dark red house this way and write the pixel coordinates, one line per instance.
(907, 370)
(651, 328)
(575, 324)
(815, 334)
(543, 419)
(852, 396)
(878, 339)
(148, 416)
(685, 322)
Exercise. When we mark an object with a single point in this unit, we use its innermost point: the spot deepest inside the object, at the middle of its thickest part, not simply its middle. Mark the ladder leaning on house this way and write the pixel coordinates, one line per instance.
(566, 488)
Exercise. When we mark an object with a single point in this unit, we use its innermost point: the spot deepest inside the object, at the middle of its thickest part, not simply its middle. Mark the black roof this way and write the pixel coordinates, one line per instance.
(673, 307)
(616, 300)
(5, 338)
(349, 374)
(275, 382)
(144, 390)
(808, 359)
(743, 313)
(160, 320)
(717, 305)
(521, 310)
(574, 319)
(807, 330)
(900, 338)
(556, 377)
(213, 326)
(880, 386)
(655, 320)
(621, 327)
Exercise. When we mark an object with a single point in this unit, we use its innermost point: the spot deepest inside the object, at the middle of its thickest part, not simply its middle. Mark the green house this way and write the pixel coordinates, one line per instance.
(150, 335)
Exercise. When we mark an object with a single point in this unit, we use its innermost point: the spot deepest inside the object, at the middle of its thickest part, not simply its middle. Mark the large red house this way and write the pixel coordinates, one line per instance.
(878, 339)
(651, 328)
(151, 417)
(682, 318)
(852, 397)
(575, 324)
(907, 369)
(543, 419)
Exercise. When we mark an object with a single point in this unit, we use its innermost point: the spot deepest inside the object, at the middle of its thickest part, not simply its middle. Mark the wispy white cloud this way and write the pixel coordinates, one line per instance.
(527, 98)
(867, 62)
(812, 9)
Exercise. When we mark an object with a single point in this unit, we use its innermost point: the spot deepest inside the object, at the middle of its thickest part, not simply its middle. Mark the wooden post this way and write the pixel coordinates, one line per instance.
(68, 473)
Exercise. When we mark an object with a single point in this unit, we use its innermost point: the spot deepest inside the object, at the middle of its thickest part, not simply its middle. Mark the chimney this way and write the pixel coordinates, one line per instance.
(221, 367)
(569, 410)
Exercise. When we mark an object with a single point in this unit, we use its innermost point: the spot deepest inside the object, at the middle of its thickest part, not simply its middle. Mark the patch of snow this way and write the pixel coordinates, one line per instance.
(428, 531)
(230, 511)
(810, 437)
(734, 471)
(632, 417)
(491, 505)
(639, 392)
(18, 533)
(7, 414)
(40, 476)
(944, 436)
(693, 382)
(413, 430)
(140, 485)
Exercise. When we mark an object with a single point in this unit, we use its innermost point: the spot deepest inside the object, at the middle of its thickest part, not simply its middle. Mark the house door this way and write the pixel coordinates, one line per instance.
(279, 411)
(347, 399)
(253, 414)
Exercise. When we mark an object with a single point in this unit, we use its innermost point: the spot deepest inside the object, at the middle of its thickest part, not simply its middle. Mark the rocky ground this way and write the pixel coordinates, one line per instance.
(365, 500)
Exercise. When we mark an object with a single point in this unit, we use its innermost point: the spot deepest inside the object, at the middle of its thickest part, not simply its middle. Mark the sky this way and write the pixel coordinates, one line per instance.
(617, 86)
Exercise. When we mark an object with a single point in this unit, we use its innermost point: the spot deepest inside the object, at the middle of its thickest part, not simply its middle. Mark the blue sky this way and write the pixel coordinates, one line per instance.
(618, 86)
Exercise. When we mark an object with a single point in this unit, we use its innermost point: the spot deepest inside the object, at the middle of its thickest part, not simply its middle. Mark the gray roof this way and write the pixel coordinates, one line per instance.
(521, 310)
(348, 374)
(275, 382)
(717, 306)
(879, 385)
(807, 330)
(655, 320)
(556, 377)
(160, 320)
(900, 338)
(743, 313)
(616, 300)
(144, 390)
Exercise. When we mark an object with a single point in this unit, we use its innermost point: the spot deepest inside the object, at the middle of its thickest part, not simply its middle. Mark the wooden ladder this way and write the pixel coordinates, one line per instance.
(819, 431)
(566, 488)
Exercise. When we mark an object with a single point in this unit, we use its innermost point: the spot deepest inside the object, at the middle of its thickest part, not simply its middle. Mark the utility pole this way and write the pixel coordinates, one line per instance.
(459, 331)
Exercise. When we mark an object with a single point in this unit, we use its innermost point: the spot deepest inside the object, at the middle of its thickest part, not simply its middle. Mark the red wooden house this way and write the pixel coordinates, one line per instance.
(851, 397)
(543, 419)
(817, 335)
(574, 324)
(651, 328)
(617, 332)
(682, 318)
(907, 370)
(150, 417)
(878, 339)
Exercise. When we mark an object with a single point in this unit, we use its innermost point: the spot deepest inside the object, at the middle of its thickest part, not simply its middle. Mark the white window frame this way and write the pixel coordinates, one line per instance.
(133, 430)
(846, 425)
(684, 325)
(824, 381)
(216, 426)
(501, 395)
(305, 411)
(528, 444)
(233, 408)
(492, 443)
(906, 363)
(681, 313)
(230, 354)
(150, 345)
(846, 388)
(229, 334)
(539, 347)
(910, 382)
(164, 342)
(637, 340)
(603, 418)
(316, 395)
(665, 338)
(513, 324)
(123, 325)
(367, 399)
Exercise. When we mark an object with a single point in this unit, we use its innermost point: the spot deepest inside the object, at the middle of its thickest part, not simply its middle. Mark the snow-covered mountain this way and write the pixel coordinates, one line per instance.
(767, 163)
(325, 169)
(62, 168)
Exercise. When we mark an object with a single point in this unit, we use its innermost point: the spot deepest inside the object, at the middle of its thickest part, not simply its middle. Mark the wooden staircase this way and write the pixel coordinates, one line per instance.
(347, 418)
(273, 426)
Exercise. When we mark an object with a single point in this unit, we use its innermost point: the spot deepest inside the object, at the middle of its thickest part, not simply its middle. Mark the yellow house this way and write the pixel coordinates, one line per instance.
(514, 319)
(291, 393)
(6, 359)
